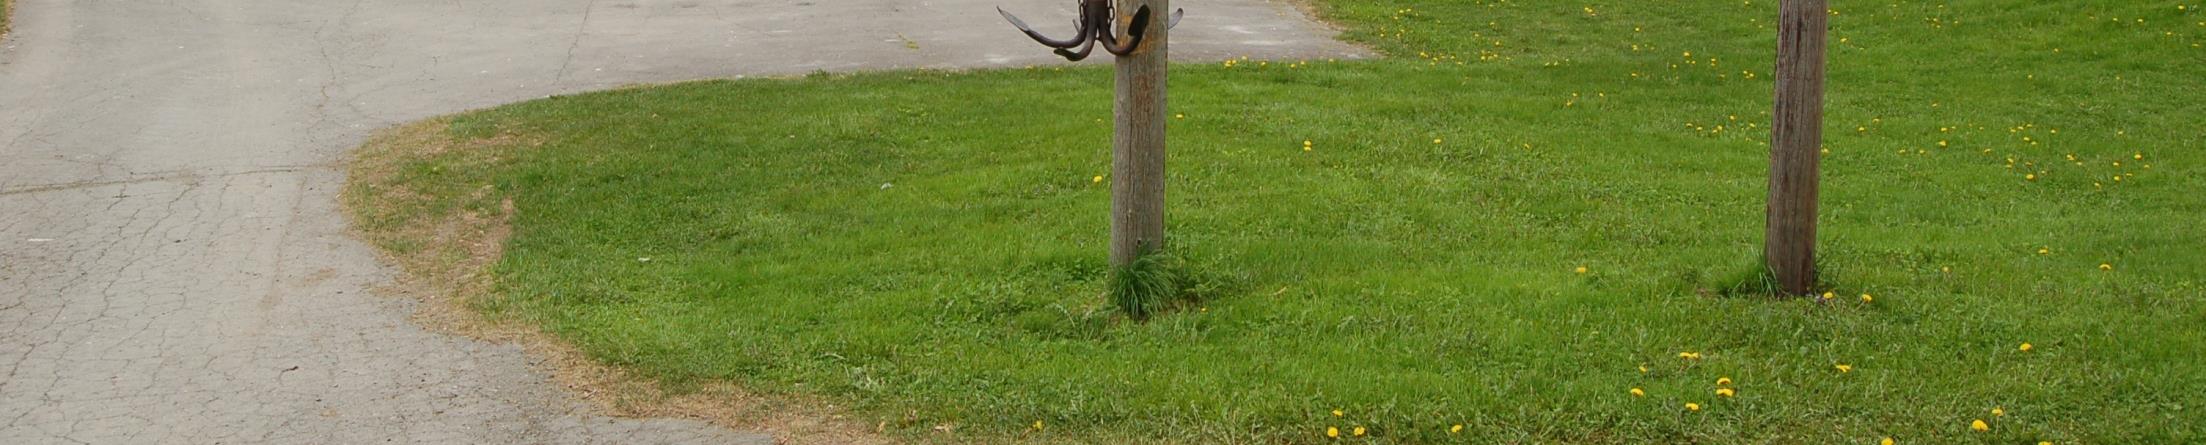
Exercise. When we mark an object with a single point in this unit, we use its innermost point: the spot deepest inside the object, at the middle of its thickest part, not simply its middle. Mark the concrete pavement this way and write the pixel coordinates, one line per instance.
(173, 264)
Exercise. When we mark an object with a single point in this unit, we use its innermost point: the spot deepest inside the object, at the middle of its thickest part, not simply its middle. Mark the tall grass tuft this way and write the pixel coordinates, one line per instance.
(1145, 286)
(1757, 280)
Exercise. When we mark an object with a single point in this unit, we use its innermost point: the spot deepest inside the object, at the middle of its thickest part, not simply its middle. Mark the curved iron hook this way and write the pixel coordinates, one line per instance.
(1086, 47)
(1038, 37)
(1136, 31)
(1096, 25)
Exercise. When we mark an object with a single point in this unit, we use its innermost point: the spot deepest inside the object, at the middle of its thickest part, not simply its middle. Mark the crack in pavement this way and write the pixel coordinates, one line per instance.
(174, 267)
(580, 30)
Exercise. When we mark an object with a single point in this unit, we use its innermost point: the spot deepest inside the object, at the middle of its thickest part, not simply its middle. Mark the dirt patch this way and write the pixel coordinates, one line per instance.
(7, 10)
(447, 241)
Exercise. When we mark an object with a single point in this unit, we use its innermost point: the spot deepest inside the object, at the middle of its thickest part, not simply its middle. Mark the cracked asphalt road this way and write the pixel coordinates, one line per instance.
(173, 266)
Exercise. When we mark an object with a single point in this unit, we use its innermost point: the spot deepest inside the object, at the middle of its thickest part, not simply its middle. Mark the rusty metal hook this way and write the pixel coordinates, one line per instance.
(1096, 24)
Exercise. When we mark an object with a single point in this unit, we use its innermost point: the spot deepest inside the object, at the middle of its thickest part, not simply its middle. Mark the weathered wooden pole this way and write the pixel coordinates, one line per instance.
(1137, 146)
(1795, 142)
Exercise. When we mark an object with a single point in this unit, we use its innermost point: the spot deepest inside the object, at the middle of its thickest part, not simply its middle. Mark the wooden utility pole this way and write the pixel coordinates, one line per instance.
(1795, 143)
(1137, 148)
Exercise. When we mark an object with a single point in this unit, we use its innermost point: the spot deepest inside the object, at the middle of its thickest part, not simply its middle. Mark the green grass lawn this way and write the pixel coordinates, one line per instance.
(928, 248)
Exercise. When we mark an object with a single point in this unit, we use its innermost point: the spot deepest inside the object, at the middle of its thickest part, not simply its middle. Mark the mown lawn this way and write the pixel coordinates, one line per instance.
(928, 248)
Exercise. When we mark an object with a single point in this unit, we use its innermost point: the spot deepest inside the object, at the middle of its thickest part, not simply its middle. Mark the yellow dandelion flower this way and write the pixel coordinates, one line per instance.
(1689, 355)
(1581, 269)
(1037, 425)
(1455, 429)
(1438, 140)
(1180, 116)
(2105, 266)
(2030, 177)
(1829, 295)
(1359, 431)
(1844, 368)
(2025, 347)
(1720, 381)
(1337, 413)
(1865, 298)
(1726, 392)
(1333, 432)
(1098, 179)
(1692, 407)
(1886, 441)
(1999, 412)
(1642, 368)
(1636, 392)
(1979, 425)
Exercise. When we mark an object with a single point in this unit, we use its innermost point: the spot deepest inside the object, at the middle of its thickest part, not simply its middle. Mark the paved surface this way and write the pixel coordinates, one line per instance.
(172, 265)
